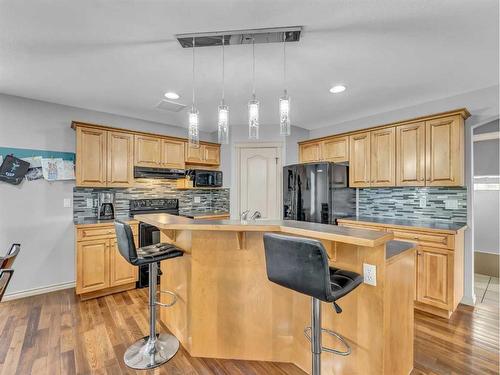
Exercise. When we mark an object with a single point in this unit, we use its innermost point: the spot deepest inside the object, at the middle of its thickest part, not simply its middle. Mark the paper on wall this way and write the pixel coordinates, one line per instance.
(35, 170)
(67, 172)
(50, 168)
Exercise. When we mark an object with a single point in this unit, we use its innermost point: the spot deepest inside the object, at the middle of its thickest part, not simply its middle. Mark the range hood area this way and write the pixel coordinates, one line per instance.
(158, 173)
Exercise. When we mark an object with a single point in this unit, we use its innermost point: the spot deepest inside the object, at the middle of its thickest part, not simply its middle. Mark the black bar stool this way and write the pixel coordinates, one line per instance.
(5, 276)
(8, 260)
(301, 264)
(156, 349)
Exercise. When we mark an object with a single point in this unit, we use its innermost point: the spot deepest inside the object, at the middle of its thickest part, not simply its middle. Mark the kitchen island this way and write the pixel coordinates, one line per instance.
(227, 308)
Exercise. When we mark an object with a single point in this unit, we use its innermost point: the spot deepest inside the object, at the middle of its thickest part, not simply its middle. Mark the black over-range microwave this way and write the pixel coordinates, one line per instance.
(205, 178)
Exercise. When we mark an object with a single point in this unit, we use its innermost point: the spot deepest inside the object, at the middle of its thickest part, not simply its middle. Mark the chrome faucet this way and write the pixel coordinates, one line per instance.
(244, 215)
(256, 215)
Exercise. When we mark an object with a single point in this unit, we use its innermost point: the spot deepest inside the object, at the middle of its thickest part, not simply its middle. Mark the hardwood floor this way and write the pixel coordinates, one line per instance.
(56, 334)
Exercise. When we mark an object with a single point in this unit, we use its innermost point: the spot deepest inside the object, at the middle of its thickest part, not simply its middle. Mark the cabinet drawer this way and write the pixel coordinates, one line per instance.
(103, 232)
(443, 241)
(362, 226)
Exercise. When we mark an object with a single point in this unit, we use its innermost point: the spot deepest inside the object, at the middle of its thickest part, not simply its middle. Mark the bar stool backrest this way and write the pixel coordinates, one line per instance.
(10, 257)
(125, 241)
(300, 264)
(5, 276)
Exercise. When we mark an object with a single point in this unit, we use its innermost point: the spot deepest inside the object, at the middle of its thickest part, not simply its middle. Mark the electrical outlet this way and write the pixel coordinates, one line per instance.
(370, 274)
(90, 202)
(423, 202)
(197, 199)
(66, 202)
(451, 204)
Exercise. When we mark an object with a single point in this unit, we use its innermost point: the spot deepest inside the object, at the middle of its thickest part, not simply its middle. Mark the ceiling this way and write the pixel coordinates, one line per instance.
(120, 56)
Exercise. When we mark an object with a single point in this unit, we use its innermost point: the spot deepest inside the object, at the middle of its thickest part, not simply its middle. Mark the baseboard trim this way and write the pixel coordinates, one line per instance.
(37, 291)
(469, 300)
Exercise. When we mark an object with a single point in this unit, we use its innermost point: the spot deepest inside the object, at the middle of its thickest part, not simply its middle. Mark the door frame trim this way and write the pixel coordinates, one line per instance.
(281, 151)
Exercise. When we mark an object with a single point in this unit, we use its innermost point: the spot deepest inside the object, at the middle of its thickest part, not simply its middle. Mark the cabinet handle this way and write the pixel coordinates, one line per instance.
(419, 254)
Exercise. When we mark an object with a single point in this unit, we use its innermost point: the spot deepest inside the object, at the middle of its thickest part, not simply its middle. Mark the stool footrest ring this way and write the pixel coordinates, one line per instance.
(347, 351)
(174, 301)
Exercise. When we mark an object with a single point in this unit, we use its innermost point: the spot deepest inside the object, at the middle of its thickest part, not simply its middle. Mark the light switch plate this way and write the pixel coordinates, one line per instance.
(370, 274)
(67, 202)
(423, 202)
(90, 202)
(197, 199)
(451, 204)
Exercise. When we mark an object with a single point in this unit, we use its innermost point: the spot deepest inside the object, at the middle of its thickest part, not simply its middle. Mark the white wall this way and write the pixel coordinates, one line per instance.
(32, 213)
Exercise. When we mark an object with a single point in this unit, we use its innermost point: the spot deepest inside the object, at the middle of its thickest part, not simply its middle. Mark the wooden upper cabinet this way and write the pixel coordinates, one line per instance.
(383, 157)
(194, 154)
(335, 149)
(310, 152)
(434, 275)
(172, 154)
(120, 164)
(90, 157)
(444, 140)
(410, 154)
(147, 151)
(359, 160)
(212, 154)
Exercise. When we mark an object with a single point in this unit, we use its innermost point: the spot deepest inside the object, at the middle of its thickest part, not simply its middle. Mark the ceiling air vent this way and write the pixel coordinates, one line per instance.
(168, 105)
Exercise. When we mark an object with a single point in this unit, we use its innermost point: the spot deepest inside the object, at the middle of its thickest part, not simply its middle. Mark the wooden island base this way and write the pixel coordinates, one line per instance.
(227, 308)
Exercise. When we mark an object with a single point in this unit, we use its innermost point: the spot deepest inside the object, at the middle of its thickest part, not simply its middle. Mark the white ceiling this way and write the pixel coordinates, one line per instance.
(119, 56)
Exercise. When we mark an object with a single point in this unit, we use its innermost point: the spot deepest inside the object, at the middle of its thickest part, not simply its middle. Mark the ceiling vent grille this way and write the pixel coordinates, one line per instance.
(170, 106)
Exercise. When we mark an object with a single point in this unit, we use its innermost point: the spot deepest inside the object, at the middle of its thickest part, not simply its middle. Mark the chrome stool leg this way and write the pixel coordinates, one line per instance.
(156, 349)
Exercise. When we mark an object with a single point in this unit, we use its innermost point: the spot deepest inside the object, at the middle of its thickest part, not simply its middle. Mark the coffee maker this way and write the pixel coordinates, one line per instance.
(105, 206)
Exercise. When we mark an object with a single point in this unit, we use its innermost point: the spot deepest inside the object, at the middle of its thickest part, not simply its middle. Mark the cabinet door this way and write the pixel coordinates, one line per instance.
(92, 266)
(194, 154)
(90, 157)
(120, 159)
(434, 279)
(120, 271)
(359, 160)
(212, 154)
(383, 157)
(147, 151)
(410, 154)
(444, 151)
(335, 149)
(310, 152)
(172, 154)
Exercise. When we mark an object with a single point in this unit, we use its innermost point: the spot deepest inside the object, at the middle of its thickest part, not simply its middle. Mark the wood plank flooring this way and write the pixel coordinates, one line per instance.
(57, 334)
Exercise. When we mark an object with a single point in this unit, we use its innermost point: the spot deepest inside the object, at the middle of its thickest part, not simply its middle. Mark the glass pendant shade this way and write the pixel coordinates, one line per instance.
(285, 114)
(193, 131)
(223, 124)
(253, 118)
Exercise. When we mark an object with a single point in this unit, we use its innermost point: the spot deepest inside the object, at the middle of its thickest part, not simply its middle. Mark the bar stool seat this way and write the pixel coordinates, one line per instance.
(156, 349)
(301, 264)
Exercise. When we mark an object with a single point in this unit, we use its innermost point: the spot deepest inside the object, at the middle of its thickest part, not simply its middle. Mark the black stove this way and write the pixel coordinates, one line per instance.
(149, 234)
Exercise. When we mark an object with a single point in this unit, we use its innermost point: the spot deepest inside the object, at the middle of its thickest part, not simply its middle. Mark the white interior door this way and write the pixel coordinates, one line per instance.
(260, 181)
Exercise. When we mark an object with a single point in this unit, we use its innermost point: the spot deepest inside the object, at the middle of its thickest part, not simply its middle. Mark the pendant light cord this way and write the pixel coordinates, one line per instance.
(253, 67)
(223, 82)
(284, 61)
(193, 69)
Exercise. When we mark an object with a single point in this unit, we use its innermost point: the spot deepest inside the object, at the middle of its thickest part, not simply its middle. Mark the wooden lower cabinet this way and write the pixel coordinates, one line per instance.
(100, 269)
(439, 265)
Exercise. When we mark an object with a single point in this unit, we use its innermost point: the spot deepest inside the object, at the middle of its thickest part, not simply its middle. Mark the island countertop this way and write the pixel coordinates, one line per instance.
(359, 237)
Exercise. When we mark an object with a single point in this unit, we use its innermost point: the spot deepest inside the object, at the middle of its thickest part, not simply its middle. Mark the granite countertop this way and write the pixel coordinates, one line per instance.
(434, 225)
(95, 221)
(395, 247)
(361, 237)
(197, 214)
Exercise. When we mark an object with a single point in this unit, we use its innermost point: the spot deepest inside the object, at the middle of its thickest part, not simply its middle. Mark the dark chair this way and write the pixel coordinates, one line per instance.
(153, 350)
(301, 264)
(5, 276)
(8, 260)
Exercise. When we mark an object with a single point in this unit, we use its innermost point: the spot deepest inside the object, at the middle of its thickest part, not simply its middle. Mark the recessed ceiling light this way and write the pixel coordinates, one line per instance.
(172, 95)
(337, 89)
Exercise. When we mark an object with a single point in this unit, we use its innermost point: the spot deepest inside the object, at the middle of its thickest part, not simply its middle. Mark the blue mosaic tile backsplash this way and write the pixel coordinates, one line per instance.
(210, 199)
(405, 203)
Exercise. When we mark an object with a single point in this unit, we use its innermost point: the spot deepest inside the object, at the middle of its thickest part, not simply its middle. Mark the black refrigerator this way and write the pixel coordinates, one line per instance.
(317, 192)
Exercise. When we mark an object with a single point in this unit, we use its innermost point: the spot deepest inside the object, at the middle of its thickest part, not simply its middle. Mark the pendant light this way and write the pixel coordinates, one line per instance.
(284, 101)
(193, 129)
(223, 110)
(253, 104)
